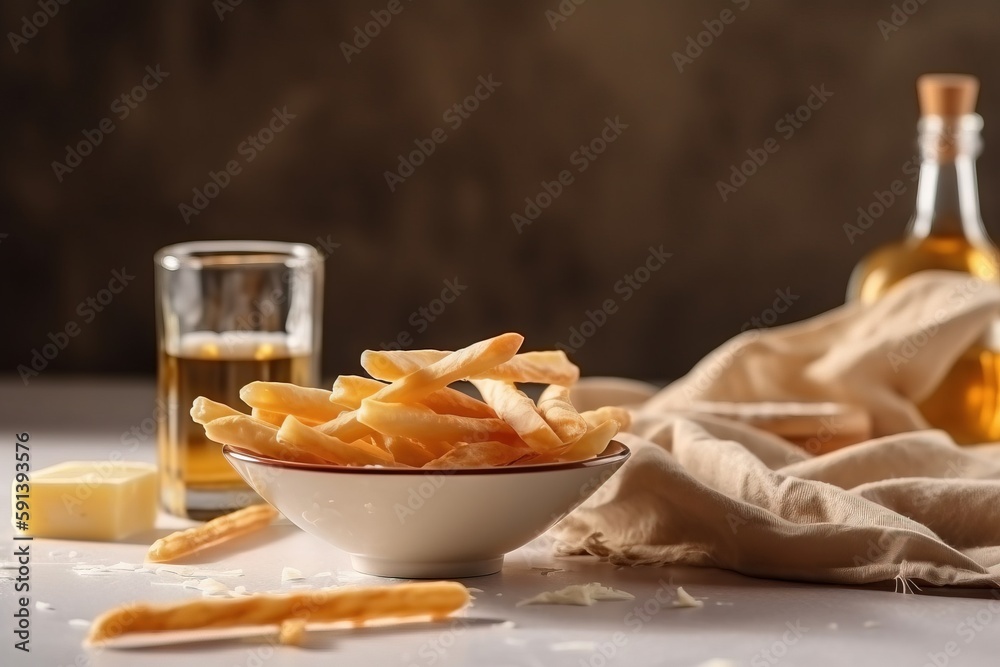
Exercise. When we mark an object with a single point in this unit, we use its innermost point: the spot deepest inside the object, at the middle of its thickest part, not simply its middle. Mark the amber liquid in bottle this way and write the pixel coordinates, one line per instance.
(946, 232)
(967, 402)
(890, 264)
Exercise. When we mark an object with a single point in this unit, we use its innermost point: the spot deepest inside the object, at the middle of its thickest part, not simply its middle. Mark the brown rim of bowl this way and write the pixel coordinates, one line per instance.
(613, 453)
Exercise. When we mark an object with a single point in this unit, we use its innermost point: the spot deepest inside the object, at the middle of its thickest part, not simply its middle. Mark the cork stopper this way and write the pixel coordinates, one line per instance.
(947, 94)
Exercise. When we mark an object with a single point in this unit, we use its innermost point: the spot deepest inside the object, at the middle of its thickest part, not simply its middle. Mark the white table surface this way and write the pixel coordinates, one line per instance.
(747, 621)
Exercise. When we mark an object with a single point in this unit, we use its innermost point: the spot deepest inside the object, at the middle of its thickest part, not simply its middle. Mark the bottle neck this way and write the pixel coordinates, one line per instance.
(947, 190)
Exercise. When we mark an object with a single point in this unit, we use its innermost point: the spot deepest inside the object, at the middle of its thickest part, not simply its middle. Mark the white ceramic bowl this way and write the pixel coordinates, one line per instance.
(419, 524)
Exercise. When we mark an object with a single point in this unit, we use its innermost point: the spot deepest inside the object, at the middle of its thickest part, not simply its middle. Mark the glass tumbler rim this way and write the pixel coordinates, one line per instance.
(193, 254)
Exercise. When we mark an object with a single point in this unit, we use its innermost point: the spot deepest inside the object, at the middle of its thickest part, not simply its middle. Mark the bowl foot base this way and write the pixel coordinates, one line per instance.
(410, 570)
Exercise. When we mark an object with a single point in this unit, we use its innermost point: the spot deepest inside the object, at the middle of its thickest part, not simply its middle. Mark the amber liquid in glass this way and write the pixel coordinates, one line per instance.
(190, 463)
(965, 403)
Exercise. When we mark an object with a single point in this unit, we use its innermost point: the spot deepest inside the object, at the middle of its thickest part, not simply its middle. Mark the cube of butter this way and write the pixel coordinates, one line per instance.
(88, 500)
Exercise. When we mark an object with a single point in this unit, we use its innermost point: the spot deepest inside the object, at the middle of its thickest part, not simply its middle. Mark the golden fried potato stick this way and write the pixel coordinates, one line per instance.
(519, 411)
(597, 417)
(278, 418)
(376, 440)
(424, 381)
(437, 448)
(454, 366)
(257, 436)
(217, 531)
(437, 599)
(480, 455)
(303, 402)
(204, 410)
(407, 451)
(450, 401)
(359, 453)
(546, 367)
(390, 365)
(346, 427)
(592, 443)
(272, 418)
(558, 411)
(350, 390)
(420, 423)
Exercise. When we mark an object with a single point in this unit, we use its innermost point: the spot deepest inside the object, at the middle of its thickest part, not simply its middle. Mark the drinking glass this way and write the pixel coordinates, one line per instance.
(227, 313)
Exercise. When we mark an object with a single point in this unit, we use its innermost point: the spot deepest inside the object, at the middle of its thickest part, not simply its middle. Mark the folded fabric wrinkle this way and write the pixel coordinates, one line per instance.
(908, 505)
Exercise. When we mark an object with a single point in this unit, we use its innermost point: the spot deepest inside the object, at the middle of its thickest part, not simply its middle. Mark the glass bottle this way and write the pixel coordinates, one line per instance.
(946, 232)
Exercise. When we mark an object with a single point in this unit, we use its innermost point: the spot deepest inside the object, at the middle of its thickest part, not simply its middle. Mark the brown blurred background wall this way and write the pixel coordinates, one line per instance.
(558, 73)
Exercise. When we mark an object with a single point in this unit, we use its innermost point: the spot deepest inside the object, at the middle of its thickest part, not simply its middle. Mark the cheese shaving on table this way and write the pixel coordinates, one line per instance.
(125, 567)
(210, 586)
(578, 594)
(291, 574)
(216, 573)
(685, 599)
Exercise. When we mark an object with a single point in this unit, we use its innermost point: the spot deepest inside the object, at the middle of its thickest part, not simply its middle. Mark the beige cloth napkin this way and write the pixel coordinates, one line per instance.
(909, 505)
